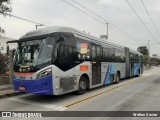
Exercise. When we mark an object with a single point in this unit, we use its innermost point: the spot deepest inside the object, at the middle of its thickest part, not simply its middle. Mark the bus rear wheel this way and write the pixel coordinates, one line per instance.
(117, 77)
(138, 73)
(82, 86)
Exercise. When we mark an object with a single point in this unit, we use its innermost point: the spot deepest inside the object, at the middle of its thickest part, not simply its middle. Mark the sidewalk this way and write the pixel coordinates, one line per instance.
(8, 90)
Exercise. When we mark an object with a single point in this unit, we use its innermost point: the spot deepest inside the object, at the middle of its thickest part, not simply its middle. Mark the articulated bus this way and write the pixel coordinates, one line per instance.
(59, 60)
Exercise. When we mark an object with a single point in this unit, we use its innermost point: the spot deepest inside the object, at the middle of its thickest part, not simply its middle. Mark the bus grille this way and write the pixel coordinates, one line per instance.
(67, 84)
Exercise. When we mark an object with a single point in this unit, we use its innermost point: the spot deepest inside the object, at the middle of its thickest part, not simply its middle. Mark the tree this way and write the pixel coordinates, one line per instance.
(4, 60)
(155, 61)
(145, 59)
(143, 50)
(4, 8)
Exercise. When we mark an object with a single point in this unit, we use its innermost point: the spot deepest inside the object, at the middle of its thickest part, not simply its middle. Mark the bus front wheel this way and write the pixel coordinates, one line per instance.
(82, 86)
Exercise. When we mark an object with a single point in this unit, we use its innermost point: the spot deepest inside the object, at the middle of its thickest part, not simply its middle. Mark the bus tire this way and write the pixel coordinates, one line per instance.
(117, 78)
(138, 73)
(82, 86)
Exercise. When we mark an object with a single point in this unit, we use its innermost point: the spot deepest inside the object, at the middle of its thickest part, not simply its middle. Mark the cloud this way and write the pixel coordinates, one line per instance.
(58, 13)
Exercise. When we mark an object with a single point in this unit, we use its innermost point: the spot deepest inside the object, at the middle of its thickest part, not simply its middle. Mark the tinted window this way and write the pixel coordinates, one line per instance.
(64, 53)
(105, 55)
(94, 52)
(119, 55)
(111, 55)
(134, 57)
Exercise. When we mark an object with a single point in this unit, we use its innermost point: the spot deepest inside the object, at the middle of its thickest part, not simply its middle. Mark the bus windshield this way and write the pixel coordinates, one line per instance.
(34, 52)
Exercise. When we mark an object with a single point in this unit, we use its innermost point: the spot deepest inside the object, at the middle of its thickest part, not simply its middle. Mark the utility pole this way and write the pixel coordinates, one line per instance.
(148, 54)
(107, 31)
(10, 66)
(105, 36)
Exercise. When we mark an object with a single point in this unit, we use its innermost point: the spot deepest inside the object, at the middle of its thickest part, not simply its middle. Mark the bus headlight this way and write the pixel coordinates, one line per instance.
(44, 73)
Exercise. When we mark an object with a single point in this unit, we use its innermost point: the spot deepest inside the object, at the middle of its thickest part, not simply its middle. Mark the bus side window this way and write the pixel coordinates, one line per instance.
(64, 52)
(59, 55)
(94, 53)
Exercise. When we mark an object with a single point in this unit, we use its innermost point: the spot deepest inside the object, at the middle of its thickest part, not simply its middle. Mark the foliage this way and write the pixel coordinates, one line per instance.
(155, 61)
(145, 58)
(4, 62)
(4, 8)
(143, 50)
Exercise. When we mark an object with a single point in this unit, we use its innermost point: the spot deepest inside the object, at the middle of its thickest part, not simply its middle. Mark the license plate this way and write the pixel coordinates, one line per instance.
(22, 88)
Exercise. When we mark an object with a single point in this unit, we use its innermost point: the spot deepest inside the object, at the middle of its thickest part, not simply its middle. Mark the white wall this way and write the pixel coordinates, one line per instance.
(3, 45)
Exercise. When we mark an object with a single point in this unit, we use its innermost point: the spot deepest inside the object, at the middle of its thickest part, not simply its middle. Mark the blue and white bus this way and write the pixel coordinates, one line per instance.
(59, 60)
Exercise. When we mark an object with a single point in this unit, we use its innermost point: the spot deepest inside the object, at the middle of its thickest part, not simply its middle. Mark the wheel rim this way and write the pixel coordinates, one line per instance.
(117, 77)
(82, 85)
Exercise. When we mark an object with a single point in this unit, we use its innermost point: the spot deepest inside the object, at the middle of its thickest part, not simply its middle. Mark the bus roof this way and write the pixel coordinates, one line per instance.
(77, 33)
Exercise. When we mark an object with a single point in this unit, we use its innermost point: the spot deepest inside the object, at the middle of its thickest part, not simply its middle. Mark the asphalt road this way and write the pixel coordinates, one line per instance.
(134, 94)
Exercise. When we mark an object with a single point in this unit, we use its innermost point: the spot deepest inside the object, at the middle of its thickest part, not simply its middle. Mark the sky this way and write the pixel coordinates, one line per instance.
(116, 12)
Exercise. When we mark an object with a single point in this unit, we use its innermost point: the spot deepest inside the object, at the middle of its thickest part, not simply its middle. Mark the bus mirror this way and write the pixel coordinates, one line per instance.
(13, 52)
(7, 49)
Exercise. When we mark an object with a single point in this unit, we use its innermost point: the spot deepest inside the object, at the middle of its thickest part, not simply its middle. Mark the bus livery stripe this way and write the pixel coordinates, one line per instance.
(24, 74)
(106, 76)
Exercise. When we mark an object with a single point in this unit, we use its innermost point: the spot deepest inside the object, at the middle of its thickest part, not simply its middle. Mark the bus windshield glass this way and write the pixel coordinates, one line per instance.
(34, 52)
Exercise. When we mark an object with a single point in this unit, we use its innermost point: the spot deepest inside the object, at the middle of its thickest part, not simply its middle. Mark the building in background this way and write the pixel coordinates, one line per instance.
(3, 44)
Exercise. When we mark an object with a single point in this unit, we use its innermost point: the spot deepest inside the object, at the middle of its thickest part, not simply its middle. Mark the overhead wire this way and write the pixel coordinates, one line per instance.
(120, 30)
(150, 18)
(103, 19)
(140, 20)
(124, 34)
(83, 11)
(22, 18)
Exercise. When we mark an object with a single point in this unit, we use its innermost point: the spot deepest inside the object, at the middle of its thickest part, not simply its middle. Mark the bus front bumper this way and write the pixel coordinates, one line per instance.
(38, 86)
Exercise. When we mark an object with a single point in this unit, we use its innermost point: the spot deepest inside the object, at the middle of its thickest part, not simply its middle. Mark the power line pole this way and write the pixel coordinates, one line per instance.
(10, 66)
(107, 31)
(105, 36)
(148, 54)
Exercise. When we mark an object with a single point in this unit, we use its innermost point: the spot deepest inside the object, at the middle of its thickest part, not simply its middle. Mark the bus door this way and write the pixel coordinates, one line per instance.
(96, 64)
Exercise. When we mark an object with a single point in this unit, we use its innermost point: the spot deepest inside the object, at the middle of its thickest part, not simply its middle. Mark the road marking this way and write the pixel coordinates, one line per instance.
(101, 93)
(45, 105)
(60, 108)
